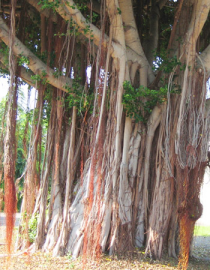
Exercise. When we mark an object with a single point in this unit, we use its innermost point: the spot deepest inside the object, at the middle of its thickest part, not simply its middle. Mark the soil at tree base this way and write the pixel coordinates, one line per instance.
(41, 260)
(135, 260)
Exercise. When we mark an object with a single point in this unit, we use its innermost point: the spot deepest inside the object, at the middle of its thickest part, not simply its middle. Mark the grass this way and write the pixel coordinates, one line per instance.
(202, 230)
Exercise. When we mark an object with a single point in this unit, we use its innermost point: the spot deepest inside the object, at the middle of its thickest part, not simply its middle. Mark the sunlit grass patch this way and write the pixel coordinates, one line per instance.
(202, 230)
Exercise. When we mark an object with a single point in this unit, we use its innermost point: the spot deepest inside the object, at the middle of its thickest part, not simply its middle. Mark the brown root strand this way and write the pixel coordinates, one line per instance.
(10, 210)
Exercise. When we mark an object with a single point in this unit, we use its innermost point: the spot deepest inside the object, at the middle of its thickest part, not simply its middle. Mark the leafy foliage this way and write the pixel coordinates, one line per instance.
(2, 108)
(32, 228)
(40, 78)
(140, 102)
(77, 97)
(47, 4)
(23, 60)
(166, 63)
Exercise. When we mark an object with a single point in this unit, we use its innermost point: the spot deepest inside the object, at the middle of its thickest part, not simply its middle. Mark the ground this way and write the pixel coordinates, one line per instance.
(136, 260)
(41, 260)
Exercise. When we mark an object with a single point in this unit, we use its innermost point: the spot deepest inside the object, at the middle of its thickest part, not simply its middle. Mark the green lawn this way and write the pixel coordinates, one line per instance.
(202, 231)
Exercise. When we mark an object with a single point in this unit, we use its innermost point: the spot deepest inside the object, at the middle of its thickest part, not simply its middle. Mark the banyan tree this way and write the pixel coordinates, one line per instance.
(122, 86)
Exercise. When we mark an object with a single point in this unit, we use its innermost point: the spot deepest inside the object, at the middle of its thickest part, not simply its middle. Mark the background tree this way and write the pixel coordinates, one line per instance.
(126, 147)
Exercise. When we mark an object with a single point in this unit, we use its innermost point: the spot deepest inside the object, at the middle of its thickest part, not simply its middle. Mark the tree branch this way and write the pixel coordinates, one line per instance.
(142, 61)
(95, 6)
(176, 19)
(35, 64)
(116, 50)
(199, 17)
(207, 108)
(205, 58)
(85, 27)
(25, 74)
(65, 11)
(132, 38)
(131, 33)
(162, 3)
(46, 12)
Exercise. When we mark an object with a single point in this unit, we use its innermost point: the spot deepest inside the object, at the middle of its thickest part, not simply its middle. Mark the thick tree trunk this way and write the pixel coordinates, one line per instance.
(124, 161)
(63, 237)
(116, 184)
(41, 202)
(55, 223)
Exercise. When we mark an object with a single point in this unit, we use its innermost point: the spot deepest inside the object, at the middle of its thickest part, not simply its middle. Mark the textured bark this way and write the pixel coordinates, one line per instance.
(54, 226)
(9, 167)
(41, 202)
(63, 237)
(30, 185)
(204, 60)
(10, 141)
(2, 143)
(117, 184)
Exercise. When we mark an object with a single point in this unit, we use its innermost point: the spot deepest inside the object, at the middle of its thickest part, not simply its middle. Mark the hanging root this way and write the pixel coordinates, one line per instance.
(9, 151)
(10, 210)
